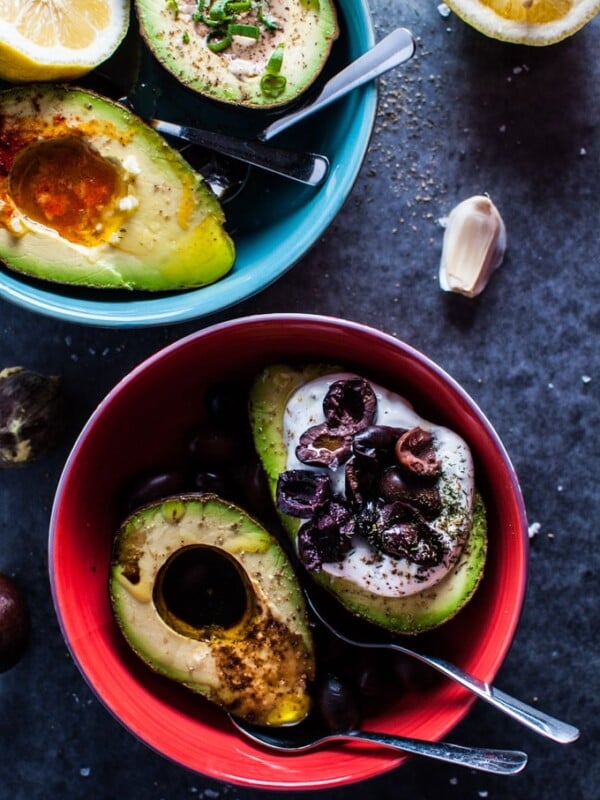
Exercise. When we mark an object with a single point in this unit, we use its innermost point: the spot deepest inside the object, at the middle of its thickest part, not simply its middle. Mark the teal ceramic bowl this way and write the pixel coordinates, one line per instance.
(273, 221)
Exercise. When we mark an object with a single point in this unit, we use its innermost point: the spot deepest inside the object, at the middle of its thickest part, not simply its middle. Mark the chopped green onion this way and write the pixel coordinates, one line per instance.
(218, 40)
(272, 85)
(275, 61)
(268, 22)
(218, 11)
(237, 29)
(238, 6)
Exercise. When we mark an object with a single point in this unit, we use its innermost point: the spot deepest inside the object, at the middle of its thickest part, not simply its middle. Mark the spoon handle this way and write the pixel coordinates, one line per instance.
(527, 715)
(307, 168)
(396, 47)
(502, 762)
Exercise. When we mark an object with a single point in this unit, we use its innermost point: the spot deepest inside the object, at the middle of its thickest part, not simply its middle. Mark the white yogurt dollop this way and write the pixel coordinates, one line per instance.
(364, 566)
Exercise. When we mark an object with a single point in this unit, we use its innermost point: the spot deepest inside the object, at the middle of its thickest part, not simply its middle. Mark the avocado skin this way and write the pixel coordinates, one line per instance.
(413, 614)
(174, 239)
(259, 669)
(309, 29)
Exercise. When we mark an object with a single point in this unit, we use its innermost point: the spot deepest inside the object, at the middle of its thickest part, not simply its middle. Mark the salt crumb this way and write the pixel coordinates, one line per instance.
(443, 10)
(534, 529)
(453, 781)
(502, 128)
(85, 772)
(559, 487)
(586, 378)
(482, 793)
(582, 151)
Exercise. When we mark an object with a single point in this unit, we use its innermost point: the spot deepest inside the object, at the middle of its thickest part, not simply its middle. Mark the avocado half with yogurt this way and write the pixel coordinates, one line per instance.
(90, 195)
(253, 53)
(380, 504)
(207, 597)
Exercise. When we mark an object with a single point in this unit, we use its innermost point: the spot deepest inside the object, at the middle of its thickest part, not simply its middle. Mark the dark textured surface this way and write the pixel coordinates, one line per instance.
(467, 115)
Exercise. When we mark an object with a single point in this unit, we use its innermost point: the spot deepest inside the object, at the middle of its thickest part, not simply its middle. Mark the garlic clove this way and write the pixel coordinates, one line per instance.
(473, 247)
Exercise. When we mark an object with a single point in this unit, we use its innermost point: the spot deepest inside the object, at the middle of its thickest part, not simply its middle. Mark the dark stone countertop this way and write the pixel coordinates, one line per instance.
(466, 115)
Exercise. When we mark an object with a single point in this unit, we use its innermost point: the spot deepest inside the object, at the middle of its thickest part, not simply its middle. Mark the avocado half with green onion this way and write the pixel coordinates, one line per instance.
(252, 53)
(408, 614)
(206, 596)
(92, 196)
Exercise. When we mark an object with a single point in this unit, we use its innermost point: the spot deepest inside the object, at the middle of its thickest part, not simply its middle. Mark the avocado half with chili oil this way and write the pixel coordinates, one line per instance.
(90, 195)
(337, 533)
(207, 597)
(251, 53)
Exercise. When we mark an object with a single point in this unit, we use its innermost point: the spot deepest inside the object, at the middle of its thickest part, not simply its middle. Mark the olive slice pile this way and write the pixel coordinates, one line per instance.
(390, 478)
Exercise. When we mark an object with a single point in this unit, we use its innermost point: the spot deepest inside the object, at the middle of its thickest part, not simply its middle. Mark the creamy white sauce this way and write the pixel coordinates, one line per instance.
(366, 567)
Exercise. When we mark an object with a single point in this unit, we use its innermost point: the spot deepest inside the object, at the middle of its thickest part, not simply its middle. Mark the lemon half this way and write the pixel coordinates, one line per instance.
(532, 22)
(44, 40)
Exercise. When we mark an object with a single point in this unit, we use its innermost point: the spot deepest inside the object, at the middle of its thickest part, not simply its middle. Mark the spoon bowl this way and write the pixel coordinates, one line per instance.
(355, 632)
(311, 733)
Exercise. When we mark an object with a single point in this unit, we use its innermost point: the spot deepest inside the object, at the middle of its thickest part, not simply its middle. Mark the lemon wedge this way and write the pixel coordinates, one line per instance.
(531, 22)
(45, 40)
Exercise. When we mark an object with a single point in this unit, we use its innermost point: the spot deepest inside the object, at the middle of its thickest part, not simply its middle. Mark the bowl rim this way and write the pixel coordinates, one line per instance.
(179, 307)
(513, 615)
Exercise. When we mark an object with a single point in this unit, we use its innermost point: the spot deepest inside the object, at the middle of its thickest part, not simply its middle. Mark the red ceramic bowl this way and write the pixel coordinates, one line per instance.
(141, 424)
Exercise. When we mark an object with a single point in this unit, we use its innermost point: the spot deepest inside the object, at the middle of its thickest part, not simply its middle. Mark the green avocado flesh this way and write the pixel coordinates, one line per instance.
(225, 50)
(205, 596)
(408, 614)
(92, 196)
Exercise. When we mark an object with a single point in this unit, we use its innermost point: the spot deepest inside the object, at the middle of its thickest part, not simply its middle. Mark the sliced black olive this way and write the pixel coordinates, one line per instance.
(376, 442)
(403, 533)
(350, 404)
(301, 491)
(318, 545)
(396, 484)
(360, 482)
(322, 446)
(416, 453)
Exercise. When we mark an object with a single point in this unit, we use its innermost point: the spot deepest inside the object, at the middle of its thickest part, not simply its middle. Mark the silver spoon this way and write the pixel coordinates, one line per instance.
(309, 734)
(397, 47)
(307, 168)
(345, 627)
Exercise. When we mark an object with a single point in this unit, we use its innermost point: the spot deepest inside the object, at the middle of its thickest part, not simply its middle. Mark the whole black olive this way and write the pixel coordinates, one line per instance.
(396, 484)
(376, 442)
(227, 404)
(411, 674)
(214, 447)
(374, 680)
(32, 415)
(337, 704)
(154, 485)
(255, 492)
(213, 483)
(14, 623)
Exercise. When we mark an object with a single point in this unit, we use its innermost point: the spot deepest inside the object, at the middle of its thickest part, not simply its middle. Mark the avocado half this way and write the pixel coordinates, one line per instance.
(409, 614)
(205, 596)
(91, 195)
(259, 54)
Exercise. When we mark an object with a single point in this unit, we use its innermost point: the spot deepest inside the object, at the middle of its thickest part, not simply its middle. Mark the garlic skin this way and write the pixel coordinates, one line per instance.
(473, 247)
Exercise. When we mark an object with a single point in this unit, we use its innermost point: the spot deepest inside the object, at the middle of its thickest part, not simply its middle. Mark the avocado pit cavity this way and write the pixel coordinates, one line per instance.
(200, 588)
(67, 185)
